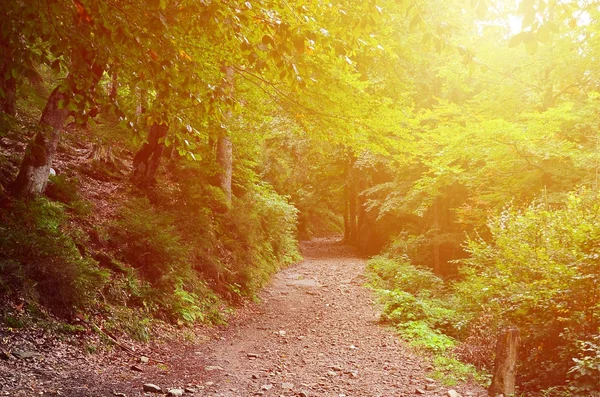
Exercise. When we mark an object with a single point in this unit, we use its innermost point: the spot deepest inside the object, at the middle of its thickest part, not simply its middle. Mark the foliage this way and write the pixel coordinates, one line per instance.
(148, 241)
(586, 371)
(423, 312)
(40, 257)
(554, 298)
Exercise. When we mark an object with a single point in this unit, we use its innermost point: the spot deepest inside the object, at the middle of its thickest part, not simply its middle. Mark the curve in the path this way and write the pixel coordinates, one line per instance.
(315, 333)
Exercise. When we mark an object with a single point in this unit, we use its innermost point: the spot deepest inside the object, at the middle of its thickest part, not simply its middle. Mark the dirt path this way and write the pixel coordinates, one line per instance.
(315, 333)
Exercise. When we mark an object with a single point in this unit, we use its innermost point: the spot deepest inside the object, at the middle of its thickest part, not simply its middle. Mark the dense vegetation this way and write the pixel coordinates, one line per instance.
(160, 159)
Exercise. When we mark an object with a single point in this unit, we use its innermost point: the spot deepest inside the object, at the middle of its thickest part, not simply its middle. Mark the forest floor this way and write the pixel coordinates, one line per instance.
(315, 332)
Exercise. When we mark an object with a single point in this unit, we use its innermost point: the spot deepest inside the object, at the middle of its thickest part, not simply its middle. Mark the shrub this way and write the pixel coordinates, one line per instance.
(540, 273)
(39, 256)
(421, 335)
(585, 373)
(400, 274)
(148, 240)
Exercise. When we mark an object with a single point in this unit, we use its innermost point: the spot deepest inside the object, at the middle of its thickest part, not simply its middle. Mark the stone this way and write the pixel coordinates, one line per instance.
(175, 392)
(136, 368)
(210, 368)
(190, 390)
(287, 386)
(253, 355)
(23, 355)
(152, 388)
(453, 393)
(144, 360)
(420, 391)
(331, 373)
(266, 387)
(119, 394)
(430, 387)
(429, 380)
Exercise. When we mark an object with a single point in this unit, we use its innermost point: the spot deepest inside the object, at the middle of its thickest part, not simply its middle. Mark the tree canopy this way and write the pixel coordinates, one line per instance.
(457, 136)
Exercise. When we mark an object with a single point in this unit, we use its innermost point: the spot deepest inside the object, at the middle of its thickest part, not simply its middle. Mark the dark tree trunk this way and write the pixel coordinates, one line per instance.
(346, 216)
(147, 158)
(225, 161)
(8, 92)
(35, 168)
(352, 213)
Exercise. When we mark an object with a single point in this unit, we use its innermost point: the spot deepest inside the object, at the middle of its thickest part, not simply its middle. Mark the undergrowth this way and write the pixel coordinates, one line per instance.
(553, 300)
(420, 307)
(176, 253)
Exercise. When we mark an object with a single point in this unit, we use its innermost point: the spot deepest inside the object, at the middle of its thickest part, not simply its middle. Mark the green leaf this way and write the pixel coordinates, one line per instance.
(515, 40)
(528, 19)
(531, 47)
(543, 34)
(415, 22)
(526, 6)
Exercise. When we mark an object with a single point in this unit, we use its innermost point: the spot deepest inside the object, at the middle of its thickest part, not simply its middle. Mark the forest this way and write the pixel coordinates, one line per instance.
(160, 161)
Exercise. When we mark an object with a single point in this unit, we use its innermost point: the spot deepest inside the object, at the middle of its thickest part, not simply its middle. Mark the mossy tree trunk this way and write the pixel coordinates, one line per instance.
(35, 167)
(147, 158)
(33, 175)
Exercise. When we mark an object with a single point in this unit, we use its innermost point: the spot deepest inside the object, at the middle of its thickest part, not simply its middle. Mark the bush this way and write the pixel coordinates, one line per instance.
(585, 373)
(39, 256)
(421, 335)
(540, 273)
(147, 239)
(394, 274)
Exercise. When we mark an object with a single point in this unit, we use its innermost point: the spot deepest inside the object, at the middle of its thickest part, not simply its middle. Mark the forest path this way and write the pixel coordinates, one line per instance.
(315, 333)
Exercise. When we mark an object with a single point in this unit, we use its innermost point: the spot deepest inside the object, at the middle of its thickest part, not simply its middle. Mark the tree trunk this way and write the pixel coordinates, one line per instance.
(346, 216)
(35, 168)
(503, 382)
(437, 265)
(140, 107)
(225, 161)
(147, 158)
(8, 92)
(353, 232)
(113, 86)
